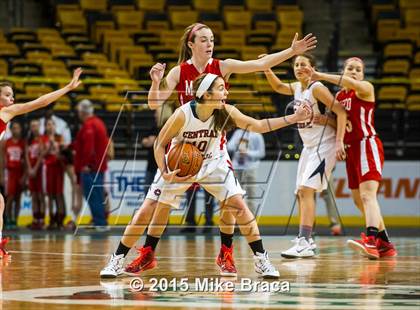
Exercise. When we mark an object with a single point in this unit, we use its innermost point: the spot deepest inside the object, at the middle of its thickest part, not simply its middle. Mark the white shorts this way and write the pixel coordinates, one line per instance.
(315, 166)
(220, 183)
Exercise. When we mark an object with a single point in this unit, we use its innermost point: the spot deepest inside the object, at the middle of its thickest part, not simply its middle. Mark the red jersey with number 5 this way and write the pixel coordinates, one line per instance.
(14, 150)
(188, 73)
(360, 116)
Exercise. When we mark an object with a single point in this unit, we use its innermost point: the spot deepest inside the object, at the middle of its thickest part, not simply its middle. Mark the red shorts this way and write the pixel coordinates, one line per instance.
(54, 179)
(14, 176)
(365, 160)
(35, 183)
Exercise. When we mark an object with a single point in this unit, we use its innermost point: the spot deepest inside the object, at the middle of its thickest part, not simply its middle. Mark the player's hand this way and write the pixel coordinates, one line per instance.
(157, 72)
(75, 81)
(303, 112)
(312, 73)
(340, 150)
(320, 119)
(306, 44)
(172, 177)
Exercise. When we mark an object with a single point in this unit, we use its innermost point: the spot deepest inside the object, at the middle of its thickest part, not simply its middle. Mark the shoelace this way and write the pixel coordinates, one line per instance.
(265, 264)
(115, 263)
(142, 251)
(228, 259)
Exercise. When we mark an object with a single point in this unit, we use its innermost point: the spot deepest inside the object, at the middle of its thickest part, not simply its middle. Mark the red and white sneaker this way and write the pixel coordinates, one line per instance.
(3, 251)
(366, 246)
(146, 260)
(225, 262)
(385, 249)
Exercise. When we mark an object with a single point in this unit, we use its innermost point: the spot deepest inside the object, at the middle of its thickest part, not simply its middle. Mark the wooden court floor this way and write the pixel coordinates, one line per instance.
(61, 272)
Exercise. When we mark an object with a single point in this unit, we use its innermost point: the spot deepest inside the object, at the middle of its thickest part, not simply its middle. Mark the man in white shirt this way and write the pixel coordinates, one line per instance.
(247, 149)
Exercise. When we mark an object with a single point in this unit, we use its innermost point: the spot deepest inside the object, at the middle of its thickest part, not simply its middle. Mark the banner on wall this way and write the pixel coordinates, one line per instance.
(399, 193)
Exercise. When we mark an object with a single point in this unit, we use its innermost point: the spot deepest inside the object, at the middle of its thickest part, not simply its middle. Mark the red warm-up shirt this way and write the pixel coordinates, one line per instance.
(90, 145)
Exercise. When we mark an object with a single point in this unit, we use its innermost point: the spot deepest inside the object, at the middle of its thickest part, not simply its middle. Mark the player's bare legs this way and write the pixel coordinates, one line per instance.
(304, 245)
(376, 243)
(359, 204)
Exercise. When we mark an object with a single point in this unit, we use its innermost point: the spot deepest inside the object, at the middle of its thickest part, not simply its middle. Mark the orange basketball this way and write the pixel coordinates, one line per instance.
(185, 157)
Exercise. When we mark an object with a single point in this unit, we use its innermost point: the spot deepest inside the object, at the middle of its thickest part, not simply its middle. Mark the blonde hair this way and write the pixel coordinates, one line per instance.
(188, 36)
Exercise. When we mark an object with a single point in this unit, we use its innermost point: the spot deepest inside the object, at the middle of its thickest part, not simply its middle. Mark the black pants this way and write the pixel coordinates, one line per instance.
(209, 207)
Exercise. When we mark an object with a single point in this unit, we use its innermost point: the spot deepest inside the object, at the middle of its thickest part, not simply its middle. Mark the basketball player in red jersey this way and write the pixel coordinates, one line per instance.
(54, 174)
(8, 110)
(195, 58)
(365, 155)
(13, 151)
(34, 158)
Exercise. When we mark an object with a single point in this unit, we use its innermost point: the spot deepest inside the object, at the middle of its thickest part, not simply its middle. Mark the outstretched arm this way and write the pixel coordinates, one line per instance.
(278, 85)
(363, 88)
(7, 113)
(230, 66)
(269, 124)
(168, 131)
(324, 95)
(159, 93)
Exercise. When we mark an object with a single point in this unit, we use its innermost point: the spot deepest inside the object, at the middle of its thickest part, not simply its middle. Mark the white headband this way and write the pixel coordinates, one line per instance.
(205, 84)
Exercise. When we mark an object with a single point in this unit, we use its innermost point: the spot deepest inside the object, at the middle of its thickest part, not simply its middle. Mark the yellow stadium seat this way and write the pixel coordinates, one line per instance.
(73, 20)
(37, 55)
(232, 38)
(238, 20)
(413, 99)
(100, 27)
(116, 74)
(259, 5)
(134, 63)
(412, 34)
(94, 57)
(409, 4)
(415, 74)
(379, 8)
(157, 25)
(131, 51)
(116, 45)
(130, 21)
(417, 58)
(47, 32)
(182, 19)
(206, 5)
(151, 5)
(396, 67)
(216, 26)
(122, 8)
(412, 17)
(398, 50)
(387, 28)
(9, 49)
(93, 5)
(101, 90)
(38, 90)
(252, 52)
(62, 51)
(290, 18)
(392, 93)
(4, 68)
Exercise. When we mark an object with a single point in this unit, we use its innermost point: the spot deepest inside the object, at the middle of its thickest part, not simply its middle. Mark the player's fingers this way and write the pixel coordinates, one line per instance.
(309, 35)
(296, 37)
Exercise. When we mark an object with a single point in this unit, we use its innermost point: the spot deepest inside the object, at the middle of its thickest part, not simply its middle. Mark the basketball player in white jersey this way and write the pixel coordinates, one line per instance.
(321, 146)
(200, 122)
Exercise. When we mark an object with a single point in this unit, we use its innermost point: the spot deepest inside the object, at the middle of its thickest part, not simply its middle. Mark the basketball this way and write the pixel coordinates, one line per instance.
(185, 157)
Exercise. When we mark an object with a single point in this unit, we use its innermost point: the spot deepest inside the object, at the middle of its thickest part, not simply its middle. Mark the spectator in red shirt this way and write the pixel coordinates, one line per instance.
(34, 159)
(54, 167)
(91, 160)
(14, 153)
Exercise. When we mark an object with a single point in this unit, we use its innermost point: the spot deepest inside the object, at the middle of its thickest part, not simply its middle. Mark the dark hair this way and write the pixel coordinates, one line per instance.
(5, 84)
(222, 120)
(308, 56)
(189, 35)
